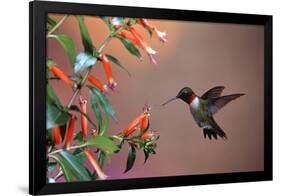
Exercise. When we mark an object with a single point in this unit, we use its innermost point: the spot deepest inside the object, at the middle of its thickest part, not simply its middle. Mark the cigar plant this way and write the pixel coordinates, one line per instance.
(70, 147)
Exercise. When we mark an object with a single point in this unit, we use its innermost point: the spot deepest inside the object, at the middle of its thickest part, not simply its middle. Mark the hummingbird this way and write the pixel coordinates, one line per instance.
(204, 107)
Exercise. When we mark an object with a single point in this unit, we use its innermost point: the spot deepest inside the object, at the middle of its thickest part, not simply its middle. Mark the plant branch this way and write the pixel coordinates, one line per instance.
(76, 92)
(73, 97)
(70, 148)
(58, 175)
(59, 23)
(105, 42)
(57, 78)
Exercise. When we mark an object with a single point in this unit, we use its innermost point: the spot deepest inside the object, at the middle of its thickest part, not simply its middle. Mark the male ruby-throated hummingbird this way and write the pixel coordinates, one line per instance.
(203, 108)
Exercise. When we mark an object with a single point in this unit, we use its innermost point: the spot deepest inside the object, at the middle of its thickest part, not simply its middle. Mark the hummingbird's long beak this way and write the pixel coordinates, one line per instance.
(169, 101)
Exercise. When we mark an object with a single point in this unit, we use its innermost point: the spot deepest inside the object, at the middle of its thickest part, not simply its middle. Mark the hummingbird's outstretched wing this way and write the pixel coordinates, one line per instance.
(214, 130)
(213, 92)
(215, 104)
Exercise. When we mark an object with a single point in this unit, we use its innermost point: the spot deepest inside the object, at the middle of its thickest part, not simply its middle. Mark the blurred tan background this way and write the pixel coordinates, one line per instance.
(199, 55)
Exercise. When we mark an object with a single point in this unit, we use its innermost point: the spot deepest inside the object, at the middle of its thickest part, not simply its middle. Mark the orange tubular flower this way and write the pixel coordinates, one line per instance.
(84, 120)
(141, 120)
(93, 80)
(60, 74)
(144, 123)
(147, 135)
(132, 126)
(57, 135)
(107, 68)
(95, 164)
(150, 52)
(126, 34)
(70, 131)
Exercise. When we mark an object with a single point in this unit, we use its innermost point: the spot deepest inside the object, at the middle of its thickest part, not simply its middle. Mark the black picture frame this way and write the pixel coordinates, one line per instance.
(37, 97)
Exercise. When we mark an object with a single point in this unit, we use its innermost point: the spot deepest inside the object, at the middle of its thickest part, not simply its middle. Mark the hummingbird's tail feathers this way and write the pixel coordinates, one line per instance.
(215, 133)
(214, 130)
(217, 103)
(213, 92)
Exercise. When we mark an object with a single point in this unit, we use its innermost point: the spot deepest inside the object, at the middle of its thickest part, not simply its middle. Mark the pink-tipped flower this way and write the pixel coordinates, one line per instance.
(161, 35)
(94, 81)
(141, 122)
(146, 109)
(139, 41)
(133, 125)
(108, 72)
(95, 164)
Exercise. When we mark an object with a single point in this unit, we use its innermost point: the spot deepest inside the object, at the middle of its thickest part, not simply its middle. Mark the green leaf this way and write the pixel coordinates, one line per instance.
(68, 45)
(86, 39)
(130, 47)
(96, 108)
(51, 21)
(104, 126)
(103, 143)
(52, 97)
(120, 145)
(83, 61)
(79, 136)
(81, 157)
(66, 169)
(104, 102)
(51, 62)
(117, 62)
(77, 109)
(73, 163)
(55, 116)
(146, 155)
(131, 158)
(50, 136)
(107, 22)
(132, 21)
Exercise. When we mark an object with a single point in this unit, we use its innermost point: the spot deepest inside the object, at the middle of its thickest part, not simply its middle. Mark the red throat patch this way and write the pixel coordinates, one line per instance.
(191, 98)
